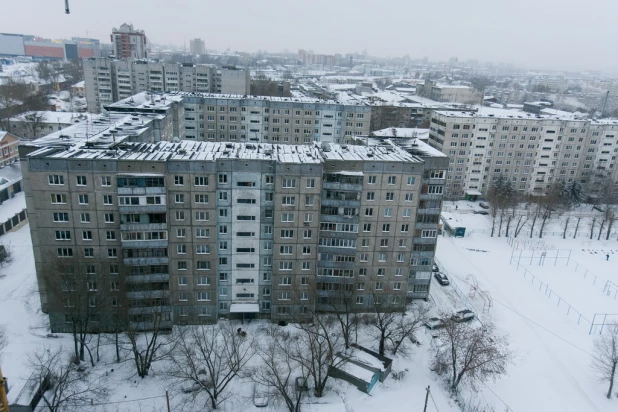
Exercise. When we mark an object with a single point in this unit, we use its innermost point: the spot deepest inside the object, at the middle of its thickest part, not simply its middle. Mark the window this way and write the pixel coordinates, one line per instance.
(87, 235)
(183, 296)
(65, 252)
(368, 211)
(202, 216)
(310, 183)
(82, 199)
(108, 218)
(81, 180)
(61, 217)
(360, 300)
(179, 198)
(201, 198)
(388, 212)
(223, 261)
(181, 232)
(306, 250)
(288, 200)
(381, 257)
(306, 266)
(112, 253)
(407, 212)
(113, 286)
(307, 234)
(63, 235)
(411, 180)
(55, 179)
(390, 196)
(429, 233)
(288, 183)
(222, 229)
(287, 217)
(107, 200)
(179, 180)
(181, 249)
(400, 257)
(106, 181)
(405, 227)
(202, 249)
(182, 265)
(58, 199)
(200, 181)
(203, 296)
(386, 227)
(180, 215)
(286, 250)
(392, 180)
(309, 200)
(287, 233)
(367, 227)
(222, 178)
(223, 196)
(203, 265)
(409, 197)
(182, 281)
(284, 295)
(285, 281)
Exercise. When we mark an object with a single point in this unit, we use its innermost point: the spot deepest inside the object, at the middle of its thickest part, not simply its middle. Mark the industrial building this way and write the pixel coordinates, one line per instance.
(15, 45)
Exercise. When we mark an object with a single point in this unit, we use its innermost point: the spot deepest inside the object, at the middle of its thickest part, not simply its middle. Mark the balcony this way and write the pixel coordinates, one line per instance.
(425, 240)
(150, 278)
(148, 294)
(143, 209)
(418, 253)
(141, 190)
(418, 295)
(339, 219)
(148, 310)
(432, 211)
(143, 226)
(426, 226)
(340, 203)
(334, 279)
(336, 265)
(435, 181)
(144, 244)
(145, 261)
(431, 196)
(342, 186)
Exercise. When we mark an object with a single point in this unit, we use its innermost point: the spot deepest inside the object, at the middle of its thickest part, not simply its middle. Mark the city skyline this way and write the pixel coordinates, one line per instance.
(454, 29)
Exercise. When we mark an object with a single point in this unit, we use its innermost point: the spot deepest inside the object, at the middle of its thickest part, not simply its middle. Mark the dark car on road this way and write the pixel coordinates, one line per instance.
(465, 315)
(484, 205)
(442, 279)
(435, 268)
(481, 212)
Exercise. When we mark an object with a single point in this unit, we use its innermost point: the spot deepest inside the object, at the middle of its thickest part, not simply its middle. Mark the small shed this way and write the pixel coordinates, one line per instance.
(472, 195)
(25, 397)
(361, 367)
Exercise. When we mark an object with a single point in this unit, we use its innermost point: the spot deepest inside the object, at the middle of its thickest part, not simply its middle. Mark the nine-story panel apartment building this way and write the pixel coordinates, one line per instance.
(192, 231)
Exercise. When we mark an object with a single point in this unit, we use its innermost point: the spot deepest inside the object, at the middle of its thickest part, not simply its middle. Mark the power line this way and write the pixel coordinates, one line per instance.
(492, 391)
(434, 402)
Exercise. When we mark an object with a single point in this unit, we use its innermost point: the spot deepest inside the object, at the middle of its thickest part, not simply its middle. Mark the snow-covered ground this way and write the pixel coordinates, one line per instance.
(539, 311)
(552, 346)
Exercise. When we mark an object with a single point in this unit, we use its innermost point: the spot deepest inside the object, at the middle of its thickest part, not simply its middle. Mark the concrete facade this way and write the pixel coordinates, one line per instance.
(195, 231)
(532, 151)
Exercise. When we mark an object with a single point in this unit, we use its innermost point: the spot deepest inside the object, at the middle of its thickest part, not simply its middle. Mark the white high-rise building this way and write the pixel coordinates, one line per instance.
(129, 43)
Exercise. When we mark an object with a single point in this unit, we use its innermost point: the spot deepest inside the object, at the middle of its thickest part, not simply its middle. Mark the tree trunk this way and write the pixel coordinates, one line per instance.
(493, 225)
(611, 381)
(594, 220)
(601, 229)
(577, 227)
(508, 225)
(532, 225)
(117, 343)
(566, 226)
(500, 225)
(609, 228)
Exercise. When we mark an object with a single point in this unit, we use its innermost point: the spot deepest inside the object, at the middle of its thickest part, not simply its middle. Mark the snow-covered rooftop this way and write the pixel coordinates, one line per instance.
(403, 132)
(56, 117)
(492, 112)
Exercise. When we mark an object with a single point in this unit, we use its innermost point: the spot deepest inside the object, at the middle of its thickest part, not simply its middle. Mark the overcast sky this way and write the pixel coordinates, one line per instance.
(535, 33)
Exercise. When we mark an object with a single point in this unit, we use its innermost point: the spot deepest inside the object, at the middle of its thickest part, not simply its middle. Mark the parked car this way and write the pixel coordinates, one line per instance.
(484, 205)
(434, 323)
(435, 268)
(465, 315)
(442, 279)
(481, 212)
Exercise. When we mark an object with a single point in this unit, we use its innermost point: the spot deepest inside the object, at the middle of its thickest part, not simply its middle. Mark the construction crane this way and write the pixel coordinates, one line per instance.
(66, 7)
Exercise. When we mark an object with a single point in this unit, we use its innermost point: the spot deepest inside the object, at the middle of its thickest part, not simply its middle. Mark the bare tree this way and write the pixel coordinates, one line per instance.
(279, 371)
(592, 225)
(382, 322)
(17, 97)
(611, 217)
(341, 304)
(64, 386)
(206, 361)
(4, 339)
(405, 325)
(605, 357)
(520, 223)
(475, 354)
(314, 348)
(566, 226)
(151, 346)
(32, 122)
(578, 217)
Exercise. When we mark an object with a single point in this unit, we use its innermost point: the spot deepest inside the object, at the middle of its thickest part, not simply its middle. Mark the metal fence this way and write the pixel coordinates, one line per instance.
(14, 223)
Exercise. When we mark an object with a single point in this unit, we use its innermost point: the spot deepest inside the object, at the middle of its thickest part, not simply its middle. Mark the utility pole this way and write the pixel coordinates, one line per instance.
(167, 398)
(4, 403)
(426, 399)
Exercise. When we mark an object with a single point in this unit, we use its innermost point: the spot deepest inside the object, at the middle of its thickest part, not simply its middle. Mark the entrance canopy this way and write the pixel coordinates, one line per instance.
(244, 308)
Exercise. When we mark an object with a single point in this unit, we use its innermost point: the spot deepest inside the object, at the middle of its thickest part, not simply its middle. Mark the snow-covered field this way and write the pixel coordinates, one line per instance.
(552, 344)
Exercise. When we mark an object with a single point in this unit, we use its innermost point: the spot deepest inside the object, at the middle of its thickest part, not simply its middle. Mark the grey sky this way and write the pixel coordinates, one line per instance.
(535, 33)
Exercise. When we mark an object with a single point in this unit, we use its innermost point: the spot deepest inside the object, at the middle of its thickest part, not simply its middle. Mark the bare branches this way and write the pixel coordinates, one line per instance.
(64, 386)
(206, 360)
(475, 354)
(605, 358)
(148, 347)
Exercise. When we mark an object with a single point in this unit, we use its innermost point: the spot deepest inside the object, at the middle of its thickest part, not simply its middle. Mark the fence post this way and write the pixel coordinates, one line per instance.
(591, 323)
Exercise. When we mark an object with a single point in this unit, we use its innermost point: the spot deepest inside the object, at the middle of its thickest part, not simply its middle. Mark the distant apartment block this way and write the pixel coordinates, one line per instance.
(191, 232)
(237, 118)
(108, 81)
(128, 42)
(531, 150)
(197, 46)
(449, 93)
(37, 47)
